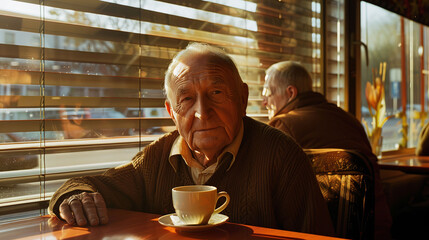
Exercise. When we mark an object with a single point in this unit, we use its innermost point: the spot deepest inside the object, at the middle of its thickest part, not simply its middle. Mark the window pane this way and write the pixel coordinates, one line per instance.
(396, 44)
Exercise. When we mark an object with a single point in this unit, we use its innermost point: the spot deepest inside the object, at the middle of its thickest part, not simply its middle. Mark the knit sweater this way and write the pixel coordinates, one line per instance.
(271, 182)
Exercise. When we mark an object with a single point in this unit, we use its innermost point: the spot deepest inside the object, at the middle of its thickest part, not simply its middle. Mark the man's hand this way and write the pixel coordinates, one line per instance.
(84, 208)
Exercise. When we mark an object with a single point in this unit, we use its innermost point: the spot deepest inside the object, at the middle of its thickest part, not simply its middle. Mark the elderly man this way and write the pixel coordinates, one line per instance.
(315, 123)
(265, 172)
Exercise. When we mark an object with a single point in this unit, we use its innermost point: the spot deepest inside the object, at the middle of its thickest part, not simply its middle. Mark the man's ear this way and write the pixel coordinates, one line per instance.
(292, 92)
(170, 110)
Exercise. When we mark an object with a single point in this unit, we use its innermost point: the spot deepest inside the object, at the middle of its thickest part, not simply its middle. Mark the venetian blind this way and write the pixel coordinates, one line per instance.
(335, 84)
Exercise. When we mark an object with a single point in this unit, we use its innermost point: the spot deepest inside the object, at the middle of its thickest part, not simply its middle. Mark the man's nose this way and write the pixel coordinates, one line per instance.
(202, 108)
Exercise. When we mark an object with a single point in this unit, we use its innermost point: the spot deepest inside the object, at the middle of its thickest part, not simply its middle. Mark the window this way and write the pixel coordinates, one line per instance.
(81, 81)
(398, 45)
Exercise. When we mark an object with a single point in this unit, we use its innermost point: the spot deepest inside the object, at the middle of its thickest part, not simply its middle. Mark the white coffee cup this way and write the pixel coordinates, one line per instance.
(195, 204)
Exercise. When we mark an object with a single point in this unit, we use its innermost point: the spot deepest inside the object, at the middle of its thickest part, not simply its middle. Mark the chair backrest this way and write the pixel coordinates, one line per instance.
(346, 180)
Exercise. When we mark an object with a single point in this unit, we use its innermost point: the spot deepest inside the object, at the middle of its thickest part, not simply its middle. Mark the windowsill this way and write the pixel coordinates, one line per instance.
(399, 152)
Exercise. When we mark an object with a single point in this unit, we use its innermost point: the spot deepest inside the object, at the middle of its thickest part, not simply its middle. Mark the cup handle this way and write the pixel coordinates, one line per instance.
(225, 204)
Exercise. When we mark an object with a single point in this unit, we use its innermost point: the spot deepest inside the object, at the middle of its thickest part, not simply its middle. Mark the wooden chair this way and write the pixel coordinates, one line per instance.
(346, 180)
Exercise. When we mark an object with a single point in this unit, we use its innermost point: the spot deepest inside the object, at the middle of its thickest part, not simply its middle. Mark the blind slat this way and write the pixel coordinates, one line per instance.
(82, 102)
(11, 126)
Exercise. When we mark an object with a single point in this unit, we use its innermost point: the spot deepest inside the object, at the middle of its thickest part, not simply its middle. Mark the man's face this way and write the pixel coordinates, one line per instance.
(204, 103)
(273, 100)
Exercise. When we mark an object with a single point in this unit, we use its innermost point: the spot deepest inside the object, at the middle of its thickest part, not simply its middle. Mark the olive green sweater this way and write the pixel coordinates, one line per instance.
(271, 182)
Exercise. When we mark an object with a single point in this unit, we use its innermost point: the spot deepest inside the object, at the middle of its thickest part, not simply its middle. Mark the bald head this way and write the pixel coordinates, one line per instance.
(196, 53)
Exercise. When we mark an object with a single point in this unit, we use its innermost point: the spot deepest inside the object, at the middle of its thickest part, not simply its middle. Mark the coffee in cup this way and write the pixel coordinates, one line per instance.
(195, 204)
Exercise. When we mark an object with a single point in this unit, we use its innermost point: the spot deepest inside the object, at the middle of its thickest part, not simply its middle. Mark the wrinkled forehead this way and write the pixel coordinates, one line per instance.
(202, 67)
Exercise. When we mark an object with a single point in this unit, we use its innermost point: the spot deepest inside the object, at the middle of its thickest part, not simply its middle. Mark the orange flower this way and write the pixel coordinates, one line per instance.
(373, 93)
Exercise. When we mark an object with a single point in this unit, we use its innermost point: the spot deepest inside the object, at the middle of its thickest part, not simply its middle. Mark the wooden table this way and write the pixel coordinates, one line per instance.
(405, 163)
(136, 225)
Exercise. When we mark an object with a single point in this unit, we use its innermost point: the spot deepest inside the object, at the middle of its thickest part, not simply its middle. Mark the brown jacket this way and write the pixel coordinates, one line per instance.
(315, 123)
(270, 185)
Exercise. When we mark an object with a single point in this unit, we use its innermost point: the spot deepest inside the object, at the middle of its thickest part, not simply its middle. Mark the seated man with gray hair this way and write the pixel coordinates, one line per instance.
(313, 122)
(266, 174)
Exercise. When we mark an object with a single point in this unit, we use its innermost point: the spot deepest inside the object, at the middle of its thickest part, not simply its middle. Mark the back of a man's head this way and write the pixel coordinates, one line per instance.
(286, 73)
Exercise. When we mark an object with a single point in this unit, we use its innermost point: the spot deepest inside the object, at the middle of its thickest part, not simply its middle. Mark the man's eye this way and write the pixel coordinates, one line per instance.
(186, 99)
(218, 96)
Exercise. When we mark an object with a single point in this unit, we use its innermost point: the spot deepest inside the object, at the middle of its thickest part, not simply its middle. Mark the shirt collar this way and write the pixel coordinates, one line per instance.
(180, 148)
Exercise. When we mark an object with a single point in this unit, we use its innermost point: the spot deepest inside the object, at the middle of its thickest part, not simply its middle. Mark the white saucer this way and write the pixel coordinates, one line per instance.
(172, 220)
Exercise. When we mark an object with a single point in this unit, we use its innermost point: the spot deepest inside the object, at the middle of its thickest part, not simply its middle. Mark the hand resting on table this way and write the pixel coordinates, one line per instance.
(84, 208)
